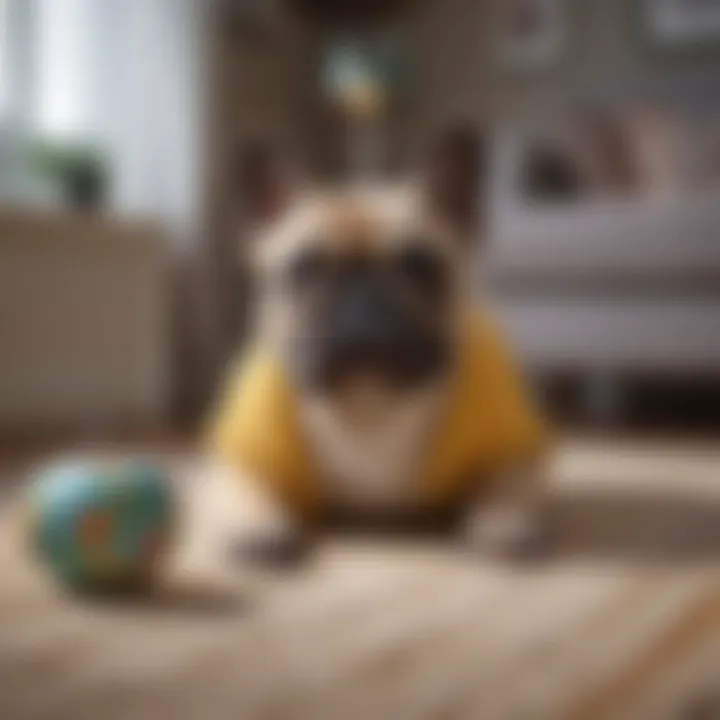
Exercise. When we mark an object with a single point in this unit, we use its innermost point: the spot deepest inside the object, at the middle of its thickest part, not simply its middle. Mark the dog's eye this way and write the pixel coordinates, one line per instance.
(422, 267)
(308, 269)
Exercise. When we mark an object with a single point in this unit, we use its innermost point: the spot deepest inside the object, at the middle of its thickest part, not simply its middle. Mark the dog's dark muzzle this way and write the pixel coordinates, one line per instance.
(365, 330)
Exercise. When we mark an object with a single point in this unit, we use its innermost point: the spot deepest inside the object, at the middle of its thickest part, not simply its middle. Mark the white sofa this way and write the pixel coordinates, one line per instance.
(615, 287)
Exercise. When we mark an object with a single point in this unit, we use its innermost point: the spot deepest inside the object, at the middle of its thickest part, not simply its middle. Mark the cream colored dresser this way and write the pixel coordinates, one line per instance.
(84, 322)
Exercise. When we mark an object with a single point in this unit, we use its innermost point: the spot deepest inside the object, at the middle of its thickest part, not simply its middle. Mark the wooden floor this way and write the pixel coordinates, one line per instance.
(624, 622)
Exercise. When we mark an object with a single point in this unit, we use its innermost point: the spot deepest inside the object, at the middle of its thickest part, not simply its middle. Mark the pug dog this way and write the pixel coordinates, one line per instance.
(373, 382)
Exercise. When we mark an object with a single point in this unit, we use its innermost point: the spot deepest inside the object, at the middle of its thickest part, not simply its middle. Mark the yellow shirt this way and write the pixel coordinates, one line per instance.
(488, 421)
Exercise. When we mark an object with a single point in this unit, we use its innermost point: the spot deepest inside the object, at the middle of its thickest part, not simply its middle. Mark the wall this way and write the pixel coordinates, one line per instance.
(257, 82)
(608, 56)
(263, 89)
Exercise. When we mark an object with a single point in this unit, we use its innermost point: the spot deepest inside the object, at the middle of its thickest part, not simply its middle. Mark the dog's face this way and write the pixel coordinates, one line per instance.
(362, 284)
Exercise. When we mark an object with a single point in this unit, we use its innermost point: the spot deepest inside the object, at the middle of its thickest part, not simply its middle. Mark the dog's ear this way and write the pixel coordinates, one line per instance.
(455, 179)
(267, 183)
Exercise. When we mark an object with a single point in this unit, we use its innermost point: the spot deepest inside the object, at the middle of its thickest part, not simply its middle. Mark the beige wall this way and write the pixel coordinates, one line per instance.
(264, 90)
(255, 83)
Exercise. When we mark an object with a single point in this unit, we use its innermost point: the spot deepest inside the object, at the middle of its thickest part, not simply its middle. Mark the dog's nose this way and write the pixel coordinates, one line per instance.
(365, 322)
(368, 329)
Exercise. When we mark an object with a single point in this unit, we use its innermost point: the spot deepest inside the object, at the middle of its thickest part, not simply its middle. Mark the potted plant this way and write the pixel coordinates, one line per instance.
(80, 170)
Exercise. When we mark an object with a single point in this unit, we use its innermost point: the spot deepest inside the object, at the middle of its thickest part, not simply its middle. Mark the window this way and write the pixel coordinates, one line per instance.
(44, 62)
(4, 52)
(66, 61)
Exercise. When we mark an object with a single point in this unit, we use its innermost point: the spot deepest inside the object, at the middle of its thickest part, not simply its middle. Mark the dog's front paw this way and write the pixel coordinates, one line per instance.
(506, 533)
(277, 547)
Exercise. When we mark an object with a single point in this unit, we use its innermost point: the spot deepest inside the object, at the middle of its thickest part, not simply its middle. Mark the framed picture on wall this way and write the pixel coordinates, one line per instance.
(679, 22)
(531, 33)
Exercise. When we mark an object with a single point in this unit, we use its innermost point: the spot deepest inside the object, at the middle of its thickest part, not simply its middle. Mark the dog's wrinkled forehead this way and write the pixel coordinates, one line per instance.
(357, 223)
(445, 200)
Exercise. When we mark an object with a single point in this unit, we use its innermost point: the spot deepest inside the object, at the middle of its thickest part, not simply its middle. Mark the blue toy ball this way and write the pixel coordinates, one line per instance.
(101, 526)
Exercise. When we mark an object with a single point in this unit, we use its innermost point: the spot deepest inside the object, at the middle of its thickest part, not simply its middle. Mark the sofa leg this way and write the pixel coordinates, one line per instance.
(603, 398)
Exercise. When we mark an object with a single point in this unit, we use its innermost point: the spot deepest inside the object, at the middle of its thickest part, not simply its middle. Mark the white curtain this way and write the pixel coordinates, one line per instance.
(17, 183)
(128, 75)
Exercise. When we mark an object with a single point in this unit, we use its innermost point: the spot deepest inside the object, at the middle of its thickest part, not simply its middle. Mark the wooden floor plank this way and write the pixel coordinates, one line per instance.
(636, 672)
(386, 628)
